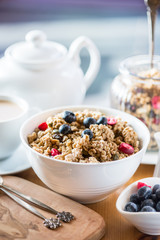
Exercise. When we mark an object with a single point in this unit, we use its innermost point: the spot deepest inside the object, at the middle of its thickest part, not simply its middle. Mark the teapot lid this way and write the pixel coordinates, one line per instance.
(36, 50)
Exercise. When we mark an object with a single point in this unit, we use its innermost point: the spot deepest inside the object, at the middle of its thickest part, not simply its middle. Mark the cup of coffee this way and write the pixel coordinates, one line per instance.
(13, 112)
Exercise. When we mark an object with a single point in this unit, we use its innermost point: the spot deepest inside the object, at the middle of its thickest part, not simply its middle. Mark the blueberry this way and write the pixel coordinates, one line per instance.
(158, 206)
(69, 117)
(158, 193)
(134, 198)
(88, 121)
(64, 129)
(131, 207)
(152, 115)
(155, 187)
(88, 132)
(153, 197)
(144, 193)
(148, 209)
(148, 202)
(102, 120)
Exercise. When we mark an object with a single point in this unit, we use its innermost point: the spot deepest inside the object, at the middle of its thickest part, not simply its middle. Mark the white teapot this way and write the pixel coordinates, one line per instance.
(45, 73)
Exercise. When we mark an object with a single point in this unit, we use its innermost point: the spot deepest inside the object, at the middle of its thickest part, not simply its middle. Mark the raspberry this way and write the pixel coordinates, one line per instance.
(126, 148)
(156, 102)
(43, 126)
(141, 184)
(111, 121)
(54, 152)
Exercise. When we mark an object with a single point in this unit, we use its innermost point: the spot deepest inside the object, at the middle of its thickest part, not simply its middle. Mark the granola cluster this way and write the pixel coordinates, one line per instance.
(141, 98)
(84, 137)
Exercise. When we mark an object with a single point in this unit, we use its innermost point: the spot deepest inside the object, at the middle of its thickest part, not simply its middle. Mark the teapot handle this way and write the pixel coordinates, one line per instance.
(94, 65)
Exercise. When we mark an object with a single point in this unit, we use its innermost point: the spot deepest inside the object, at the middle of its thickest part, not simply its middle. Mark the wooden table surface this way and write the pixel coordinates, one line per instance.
(117, 228)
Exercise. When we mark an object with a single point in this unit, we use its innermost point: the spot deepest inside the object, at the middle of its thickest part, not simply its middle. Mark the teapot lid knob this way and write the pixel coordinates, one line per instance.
(36, 37)
(36, 52)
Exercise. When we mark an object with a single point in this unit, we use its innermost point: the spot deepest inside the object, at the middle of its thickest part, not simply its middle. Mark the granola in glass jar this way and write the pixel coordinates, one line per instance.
(137, 91)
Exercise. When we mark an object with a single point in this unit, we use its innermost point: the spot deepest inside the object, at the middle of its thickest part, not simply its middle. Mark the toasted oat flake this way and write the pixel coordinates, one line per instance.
(79, 148)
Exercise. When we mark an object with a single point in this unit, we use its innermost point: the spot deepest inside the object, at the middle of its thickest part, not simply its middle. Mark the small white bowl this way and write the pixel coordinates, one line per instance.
(146, 222)
(84, 182)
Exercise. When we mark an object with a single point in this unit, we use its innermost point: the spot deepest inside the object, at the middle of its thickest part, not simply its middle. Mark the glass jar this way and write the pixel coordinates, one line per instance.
(136, 90)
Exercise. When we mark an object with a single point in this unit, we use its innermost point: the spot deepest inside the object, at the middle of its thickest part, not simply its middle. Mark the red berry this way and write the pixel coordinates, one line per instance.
(126, 148)
(54, 152)
(111, 121)
(141, 184)
(43, 126)
(156, 102)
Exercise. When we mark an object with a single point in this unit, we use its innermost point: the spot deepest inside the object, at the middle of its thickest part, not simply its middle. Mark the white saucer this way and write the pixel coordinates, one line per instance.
(150, 158)
(16, 163)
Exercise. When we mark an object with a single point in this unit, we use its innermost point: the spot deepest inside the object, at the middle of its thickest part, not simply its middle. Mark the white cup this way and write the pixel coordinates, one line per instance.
(9, 128)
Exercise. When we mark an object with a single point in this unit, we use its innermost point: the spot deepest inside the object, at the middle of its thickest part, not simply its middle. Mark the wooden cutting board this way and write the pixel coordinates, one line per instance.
(17, 223)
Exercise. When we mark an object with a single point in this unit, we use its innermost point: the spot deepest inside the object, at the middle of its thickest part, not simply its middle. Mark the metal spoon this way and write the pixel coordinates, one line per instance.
(51, 223)
(152, 6)
(63, 216)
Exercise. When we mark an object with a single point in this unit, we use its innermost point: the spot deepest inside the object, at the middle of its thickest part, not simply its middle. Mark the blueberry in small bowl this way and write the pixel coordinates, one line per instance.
(139, 203)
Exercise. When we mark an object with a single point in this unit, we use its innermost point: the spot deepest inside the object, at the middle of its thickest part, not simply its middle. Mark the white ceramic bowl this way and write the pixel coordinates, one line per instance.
(83, 182)
(146, 222)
